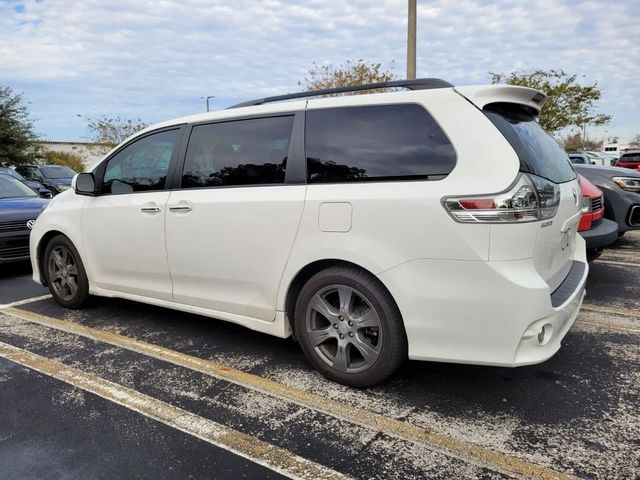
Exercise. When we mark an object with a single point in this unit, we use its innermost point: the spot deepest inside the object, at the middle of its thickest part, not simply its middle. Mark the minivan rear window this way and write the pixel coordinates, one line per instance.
(375, 143)
(538, 152)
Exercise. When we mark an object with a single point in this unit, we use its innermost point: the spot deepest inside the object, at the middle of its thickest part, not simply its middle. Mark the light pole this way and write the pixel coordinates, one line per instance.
(411, 41)
(207, 100)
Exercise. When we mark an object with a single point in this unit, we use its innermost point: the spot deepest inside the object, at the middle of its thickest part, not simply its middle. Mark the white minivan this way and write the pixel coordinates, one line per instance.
(435, 223)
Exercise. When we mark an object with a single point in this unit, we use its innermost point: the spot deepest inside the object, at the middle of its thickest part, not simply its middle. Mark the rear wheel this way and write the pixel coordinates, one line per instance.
(65, 274)
(349, 327)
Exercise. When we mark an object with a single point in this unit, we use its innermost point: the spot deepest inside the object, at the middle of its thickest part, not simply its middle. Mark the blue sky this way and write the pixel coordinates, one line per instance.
(155, 59)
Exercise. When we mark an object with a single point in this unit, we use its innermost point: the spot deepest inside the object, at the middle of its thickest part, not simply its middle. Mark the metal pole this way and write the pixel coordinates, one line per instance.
(211, 96)
(411, 41)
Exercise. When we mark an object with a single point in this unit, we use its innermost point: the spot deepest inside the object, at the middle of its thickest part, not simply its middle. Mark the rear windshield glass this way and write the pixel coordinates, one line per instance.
(539, 153)
(630, 157)
(12, 188)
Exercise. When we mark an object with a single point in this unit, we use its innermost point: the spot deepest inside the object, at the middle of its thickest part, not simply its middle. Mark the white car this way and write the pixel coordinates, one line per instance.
(437, 223)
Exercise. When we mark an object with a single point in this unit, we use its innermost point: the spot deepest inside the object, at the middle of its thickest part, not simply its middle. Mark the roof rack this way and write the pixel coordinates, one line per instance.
(417, 84)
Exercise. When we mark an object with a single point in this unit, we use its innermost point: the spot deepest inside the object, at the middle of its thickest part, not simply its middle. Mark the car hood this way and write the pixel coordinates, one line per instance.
(25, 208)
(34, 184)
(606, 171)
(60, 181)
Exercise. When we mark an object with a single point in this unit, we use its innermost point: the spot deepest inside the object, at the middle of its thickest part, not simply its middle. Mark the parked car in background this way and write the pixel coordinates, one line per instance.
(580, 158)
(592, 158)
(37, 187)
(629, 159)
(56, 178)
(438, 223)
(20, 206)
(621, 188)
(598, 232)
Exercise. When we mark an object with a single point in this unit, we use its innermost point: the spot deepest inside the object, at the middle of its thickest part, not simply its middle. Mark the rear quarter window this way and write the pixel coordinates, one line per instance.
(539, 153)
(375, 143)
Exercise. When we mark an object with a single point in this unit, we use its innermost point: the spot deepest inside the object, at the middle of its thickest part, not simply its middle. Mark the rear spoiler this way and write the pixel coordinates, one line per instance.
(484, 95)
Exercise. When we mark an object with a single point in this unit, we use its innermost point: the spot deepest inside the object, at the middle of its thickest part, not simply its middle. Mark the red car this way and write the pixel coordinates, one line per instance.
(597, 231)
(629, 160)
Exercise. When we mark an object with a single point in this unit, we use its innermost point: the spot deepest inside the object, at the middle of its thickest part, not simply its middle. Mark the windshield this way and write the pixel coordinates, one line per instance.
(538, 152)
(57, 171)
(12, 172)
(12, 188)
(635, 157)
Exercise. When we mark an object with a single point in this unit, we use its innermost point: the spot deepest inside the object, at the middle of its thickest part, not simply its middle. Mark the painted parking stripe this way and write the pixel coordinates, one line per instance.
(246, 446)
(25, 301)
(617, 263)
(465, 451)
(624, 312)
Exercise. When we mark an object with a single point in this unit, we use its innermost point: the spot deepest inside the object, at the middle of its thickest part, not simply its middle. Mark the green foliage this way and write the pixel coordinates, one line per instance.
(71, 160)
(568, 103)
(108, 132)
(348, 73)
(16, 130)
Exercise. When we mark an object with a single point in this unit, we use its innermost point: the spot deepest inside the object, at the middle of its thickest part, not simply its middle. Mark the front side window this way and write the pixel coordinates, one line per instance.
(240, 152)
(142, 165)
(375, 143)
(31, 173)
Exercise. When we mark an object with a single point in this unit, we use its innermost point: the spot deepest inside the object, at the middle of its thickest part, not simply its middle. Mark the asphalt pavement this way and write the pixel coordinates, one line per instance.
(126, 390)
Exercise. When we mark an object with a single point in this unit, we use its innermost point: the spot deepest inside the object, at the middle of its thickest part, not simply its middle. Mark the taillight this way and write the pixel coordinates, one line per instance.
(532, 198)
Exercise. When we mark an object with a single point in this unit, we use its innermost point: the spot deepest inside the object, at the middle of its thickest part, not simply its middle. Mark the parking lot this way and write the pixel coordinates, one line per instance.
(125, 390)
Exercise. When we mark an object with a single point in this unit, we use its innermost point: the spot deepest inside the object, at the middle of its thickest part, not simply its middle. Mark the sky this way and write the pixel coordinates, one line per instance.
(156, 59)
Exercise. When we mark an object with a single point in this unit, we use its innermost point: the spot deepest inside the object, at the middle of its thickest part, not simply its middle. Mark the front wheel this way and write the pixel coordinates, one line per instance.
(349, 327)
(65, 274)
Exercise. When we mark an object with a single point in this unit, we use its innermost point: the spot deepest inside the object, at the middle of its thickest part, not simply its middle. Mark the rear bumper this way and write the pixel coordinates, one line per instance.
(485, 313)
(602, 235)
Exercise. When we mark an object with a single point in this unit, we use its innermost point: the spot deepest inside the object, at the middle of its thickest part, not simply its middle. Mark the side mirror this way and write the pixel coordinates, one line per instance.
(84, 184)
(592, 162)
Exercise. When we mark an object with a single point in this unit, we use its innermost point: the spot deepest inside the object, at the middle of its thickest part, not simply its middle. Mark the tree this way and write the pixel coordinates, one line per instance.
(16, 130)
(575, 141)
(635, 142)
(107, 132)
(71, 160)
(348, 73)
(568, 103)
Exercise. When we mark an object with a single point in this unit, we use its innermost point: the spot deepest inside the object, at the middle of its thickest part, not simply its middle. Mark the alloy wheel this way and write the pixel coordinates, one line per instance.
(344, 328)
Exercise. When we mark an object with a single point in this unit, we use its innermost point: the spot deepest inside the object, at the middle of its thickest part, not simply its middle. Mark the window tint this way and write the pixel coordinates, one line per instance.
(538, 152)
(241, 152)
(575, 159)
(31, 173)
(373, 143)
(142, 165)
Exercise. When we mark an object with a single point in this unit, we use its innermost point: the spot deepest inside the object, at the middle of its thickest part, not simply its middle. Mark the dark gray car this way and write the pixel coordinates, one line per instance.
(621, 188)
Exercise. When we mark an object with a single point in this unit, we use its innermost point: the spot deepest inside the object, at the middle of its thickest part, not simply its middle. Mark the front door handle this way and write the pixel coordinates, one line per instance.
(180, 208)
(151, 209)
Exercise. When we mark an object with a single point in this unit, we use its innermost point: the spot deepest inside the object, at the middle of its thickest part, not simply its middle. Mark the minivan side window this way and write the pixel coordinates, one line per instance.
(375, 143)
(240, 152)
(142, 165)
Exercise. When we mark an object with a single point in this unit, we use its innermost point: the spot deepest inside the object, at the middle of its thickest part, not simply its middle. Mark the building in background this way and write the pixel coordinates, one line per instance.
(91, 153)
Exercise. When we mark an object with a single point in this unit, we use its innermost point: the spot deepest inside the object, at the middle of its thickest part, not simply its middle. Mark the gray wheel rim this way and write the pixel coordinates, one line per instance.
(63, 272)
(344, 329)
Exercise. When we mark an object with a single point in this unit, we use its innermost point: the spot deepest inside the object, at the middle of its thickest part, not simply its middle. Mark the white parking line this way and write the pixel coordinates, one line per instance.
(24, 302)
(260, 452)
(621, 264)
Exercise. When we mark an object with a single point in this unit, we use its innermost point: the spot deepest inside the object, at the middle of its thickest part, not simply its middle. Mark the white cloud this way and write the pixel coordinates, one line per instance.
(154, 59)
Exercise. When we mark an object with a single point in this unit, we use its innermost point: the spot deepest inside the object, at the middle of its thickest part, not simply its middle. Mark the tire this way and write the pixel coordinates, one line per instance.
(63, 269)
(349, 327)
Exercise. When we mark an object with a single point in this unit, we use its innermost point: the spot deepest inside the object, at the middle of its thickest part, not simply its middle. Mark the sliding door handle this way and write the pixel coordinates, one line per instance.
(180, 208)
